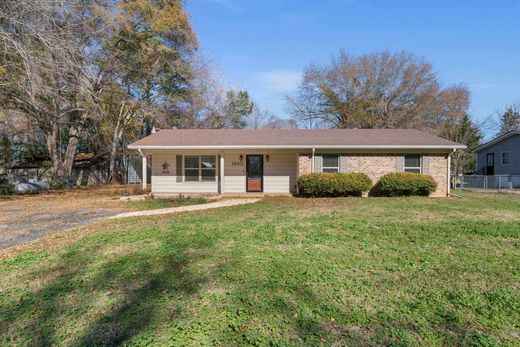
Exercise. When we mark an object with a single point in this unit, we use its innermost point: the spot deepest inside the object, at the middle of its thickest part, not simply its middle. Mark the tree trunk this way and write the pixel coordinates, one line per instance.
(113, 153)
(456, 163)
(55, 153)
(116, 138)
(70, 153)
(6, 150)
(62, 166)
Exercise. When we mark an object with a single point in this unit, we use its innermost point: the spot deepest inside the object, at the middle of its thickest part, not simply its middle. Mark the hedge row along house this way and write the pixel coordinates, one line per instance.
(236, 161)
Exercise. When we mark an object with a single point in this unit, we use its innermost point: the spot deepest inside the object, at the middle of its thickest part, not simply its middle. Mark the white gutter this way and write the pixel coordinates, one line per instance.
(449, 172)
(312, 160)
(302, 147)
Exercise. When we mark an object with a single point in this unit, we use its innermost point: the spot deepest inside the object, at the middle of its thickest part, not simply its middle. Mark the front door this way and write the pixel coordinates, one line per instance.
(254, 173)
(490, 164)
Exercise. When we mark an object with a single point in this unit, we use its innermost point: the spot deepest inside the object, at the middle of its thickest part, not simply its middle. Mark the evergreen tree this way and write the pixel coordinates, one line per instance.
(466, 132)
(510, 119)
(238, 107)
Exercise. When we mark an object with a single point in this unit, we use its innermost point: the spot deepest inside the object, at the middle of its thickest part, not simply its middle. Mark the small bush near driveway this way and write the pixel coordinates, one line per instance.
(333, 184)
(6, 189)
(406, 184)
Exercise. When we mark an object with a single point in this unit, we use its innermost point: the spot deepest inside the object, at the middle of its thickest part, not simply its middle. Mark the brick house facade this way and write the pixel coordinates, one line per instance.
(234, 161)
(375, 165)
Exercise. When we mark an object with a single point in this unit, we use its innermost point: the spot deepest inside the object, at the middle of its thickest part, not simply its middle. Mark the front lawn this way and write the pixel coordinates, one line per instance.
(284, 271)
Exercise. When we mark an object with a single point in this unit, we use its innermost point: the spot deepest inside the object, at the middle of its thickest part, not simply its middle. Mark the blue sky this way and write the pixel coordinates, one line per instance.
(263, 45)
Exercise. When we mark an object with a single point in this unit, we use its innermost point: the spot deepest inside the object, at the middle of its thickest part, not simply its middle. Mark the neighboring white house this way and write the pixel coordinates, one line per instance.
(235, 161)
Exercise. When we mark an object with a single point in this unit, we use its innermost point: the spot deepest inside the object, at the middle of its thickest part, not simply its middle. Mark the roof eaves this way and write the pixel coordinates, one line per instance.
(454, 146)
(497, 140)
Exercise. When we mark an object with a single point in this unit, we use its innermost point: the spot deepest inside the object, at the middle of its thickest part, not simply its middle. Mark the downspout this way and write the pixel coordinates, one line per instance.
(312, 161)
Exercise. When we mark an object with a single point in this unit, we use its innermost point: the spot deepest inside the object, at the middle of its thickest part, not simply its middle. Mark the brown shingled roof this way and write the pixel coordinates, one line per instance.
(319, 138)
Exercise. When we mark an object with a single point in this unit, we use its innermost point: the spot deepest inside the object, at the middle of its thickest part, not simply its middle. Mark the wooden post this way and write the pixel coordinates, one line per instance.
(145, 172)
(222, 173)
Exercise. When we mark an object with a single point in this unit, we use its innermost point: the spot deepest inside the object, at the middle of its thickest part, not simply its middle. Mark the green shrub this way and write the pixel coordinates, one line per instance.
(406, 184)
(333, 184)
(7, 189)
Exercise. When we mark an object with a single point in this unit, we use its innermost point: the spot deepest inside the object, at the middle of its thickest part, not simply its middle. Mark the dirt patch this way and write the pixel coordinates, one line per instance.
(27, 218)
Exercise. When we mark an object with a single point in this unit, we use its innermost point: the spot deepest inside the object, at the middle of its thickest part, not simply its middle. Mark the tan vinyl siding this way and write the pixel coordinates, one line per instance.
(167, 183)
(280, 172)
(161, 184)
(235, 175)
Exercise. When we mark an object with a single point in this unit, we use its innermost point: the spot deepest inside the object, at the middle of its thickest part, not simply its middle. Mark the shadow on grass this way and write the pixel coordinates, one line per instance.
(133, 284)
(278, 297)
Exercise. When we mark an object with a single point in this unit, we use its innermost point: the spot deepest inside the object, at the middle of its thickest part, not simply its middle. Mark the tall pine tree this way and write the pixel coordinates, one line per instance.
(510, 119)
(467, 133)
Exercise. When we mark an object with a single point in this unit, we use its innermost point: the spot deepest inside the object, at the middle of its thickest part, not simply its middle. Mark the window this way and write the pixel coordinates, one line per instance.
(330, 163)
(200, 168)
(505, 158)
(208, 168)
(412, 163)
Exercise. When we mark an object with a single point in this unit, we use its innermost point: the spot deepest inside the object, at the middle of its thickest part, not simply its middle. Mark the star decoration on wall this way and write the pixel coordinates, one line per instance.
(165, 168)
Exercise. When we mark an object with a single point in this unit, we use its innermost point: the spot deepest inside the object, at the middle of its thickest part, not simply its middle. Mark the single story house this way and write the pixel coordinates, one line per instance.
(500, 156)
(235, 161)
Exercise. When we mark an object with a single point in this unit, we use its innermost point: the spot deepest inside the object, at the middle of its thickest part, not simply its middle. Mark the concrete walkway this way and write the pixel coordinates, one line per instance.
(217, 204)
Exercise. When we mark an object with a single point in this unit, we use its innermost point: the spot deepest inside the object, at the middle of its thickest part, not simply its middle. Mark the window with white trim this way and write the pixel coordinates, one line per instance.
(412, 163)
(201, 168)
(330, 163)
(505, 158)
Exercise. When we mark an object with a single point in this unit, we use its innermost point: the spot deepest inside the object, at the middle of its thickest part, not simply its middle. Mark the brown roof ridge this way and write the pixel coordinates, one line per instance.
(322, 137)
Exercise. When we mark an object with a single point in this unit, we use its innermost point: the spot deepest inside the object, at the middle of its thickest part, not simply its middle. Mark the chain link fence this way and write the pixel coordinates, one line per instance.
(494, 182)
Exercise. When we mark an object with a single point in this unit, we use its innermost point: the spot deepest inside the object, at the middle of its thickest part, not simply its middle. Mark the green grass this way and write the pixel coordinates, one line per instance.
(285, 271)
(154, 204)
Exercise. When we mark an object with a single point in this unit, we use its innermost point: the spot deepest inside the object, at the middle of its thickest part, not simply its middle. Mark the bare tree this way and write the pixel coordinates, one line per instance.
(212, 104)
(74, 65)
(308, 106)
(264, 119)
(44, 43)
(375, 91)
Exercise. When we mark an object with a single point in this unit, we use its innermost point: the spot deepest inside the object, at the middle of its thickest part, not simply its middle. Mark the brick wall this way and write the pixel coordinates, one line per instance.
(377, 165)
(374, 165)
(304, 163)
(439, 170)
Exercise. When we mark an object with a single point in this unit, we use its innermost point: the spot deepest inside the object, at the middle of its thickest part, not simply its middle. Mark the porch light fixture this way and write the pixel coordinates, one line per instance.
(267, 157)
(241, 157)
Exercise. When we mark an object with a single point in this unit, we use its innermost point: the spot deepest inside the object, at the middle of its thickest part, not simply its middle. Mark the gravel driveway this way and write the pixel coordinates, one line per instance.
(26, 218)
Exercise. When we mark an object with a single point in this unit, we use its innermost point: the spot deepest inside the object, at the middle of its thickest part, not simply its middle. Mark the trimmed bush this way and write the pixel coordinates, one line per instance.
(406, 184)
(333, 184)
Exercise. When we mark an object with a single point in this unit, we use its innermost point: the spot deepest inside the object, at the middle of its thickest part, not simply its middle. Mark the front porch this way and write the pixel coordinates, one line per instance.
(229, 172)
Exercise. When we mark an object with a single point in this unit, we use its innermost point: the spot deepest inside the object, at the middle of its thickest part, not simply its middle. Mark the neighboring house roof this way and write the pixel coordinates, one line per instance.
(292, 138)
(498, 140)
